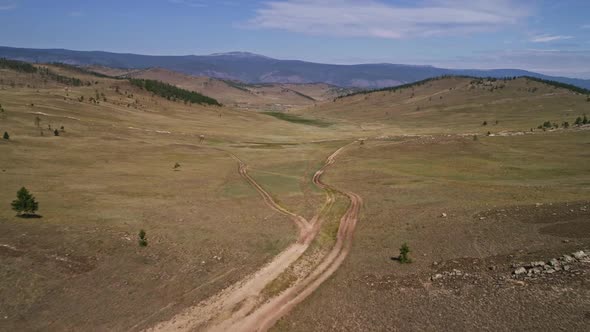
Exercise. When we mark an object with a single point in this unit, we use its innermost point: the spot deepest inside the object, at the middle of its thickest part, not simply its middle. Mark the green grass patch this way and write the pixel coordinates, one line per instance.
(298, 119)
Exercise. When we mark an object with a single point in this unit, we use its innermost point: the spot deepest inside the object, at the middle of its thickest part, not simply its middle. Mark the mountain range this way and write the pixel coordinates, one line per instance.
(254, 68)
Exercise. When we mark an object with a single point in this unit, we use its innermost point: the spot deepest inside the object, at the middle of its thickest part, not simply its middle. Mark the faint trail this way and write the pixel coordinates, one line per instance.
(239, 307)
(302, 223)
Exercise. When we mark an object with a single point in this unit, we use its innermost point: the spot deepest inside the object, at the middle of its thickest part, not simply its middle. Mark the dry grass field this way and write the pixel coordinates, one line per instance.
(515, 196)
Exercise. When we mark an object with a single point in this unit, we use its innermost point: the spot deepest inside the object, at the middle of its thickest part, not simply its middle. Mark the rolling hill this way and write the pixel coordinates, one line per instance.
(253, 68)
(269, 96)
(455, 104)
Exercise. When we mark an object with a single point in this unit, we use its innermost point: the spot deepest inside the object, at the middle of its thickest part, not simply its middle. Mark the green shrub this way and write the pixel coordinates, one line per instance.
(403, 254)
(142, 239)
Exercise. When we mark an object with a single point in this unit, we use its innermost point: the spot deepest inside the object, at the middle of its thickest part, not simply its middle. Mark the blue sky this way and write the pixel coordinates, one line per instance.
(551, 37)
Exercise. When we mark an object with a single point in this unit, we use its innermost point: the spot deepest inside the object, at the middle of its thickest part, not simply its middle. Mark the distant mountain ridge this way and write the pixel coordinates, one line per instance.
(254, 68)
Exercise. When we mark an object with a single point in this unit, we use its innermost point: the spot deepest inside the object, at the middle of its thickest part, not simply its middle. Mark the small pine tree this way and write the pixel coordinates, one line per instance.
(56, 132)
(565, 124)
(578, 121)
(142, 238)
(25, 202)
(403, 254)
(6, 136)
(585, 120)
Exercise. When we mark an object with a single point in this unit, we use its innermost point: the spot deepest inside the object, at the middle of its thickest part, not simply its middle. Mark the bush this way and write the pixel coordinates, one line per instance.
(585, 120)
(485, 123)
(6, 136)
(56, 132)
(142, 239)
(25, 203)
(403, 254)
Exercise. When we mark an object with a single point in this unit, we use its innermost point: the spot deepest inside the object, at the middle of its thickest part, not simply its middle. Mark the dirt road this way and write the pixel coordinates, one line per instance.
(240, 307)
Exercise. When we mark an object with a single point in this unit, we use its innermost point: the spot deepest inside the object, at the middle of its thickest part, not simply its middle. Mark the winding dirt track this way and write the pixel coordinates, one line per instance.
(239, 307)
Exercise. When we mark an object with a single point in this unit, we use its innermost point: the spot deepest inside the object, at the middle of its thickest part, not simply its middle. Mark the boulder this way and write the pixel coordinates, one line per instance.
(579, 254)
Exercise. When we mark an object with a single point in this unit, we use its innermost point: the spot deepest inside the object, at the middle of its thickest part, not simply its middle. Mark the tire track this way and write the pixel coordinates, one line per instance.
(264, 317)
(239, 307)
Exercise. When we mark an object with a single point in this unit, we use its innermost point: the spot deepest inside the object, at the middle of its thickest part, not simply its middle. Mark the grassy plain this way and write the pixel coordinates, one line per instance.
(110, 173)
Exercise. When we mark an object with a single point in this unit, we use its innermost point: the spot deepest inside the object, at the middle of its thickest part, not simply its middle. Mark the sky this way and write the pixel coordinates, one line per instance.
(550, 37)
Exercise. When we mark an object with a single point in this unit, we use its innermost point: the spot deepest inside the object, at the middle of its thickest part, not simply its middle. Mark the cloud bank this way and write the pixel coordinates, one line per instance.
(348, 18)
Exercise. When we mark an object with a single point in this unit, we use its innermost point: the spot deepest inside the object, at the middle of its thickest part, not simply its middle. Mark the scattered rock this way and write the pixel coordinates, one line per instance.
(552, 266)
(443, 215)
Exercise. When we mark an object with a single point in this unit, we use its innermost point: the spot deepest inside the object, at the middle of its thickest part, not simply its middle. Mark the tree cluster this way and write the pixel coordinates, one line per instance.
(172, 92)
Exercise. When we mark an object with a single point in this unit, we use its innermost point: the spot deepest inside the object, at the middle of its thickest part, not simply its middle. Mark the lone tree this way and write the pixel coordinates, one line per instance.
(25, 203)
(403, 254)
(6, 136)
(142, 239)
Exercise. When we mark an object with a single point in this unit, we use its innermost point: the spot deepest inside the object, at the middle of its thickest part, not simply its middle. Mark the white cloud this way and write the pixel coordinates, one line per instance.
(373, 18)
(549, 38)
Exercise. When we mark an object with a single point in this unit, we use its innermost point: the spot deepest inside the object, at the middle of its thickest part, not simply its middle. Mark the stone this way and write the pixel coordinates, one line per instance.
(579, 254)
(520, 270)
(443, 215)
(537, 264)
(436, 276)
(550, 271)
(554, 262)
(567, 258)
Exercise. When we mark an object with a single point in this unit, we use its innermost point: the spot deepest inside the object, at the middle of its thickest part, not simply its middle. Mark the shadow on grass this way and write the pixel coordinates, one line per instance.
(29, 216)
